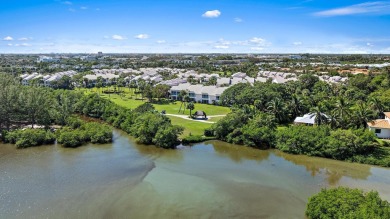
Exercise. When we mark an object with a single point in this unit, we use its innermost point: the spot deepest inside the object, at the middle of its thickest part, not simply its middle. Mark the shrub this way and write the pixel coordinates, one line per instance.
(166, 136)
(93, 132)
(347, 203)
(30, 137)
(71, 138)
(209, 132)
(303, 140)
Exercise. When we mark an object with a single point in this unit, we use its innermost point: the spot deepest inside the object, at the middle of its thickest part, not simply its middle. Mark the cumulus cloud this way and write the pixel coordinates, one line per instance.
(142, 36)
(67, 3)
(161, 41)
(378, 7)
(257, 40)
(211, 14)
(83, 8)
(24, 39)
(117, 37)
(8, 38)
(238, 20)
(297, 43)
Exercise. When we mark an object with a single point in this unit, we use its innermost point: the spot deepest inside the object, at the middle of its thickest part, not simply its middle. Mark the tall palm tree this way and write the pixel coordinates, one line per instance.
(296, 106)
(277, 107)
(320, 117)
(342, 111)
(377, 106)
(363, 114)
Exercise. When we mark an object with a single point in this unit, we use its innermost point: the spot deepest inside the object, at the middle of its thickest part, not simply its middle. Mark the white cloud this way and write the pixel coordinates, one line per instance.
(117, 37)
(297, 43)
(71, 9)
(369, 44)
(9, 44)
(24, 39)
(378, 7)
(238, 20)
(83, 8)
(142, 36)
(221, 47)
(67, 3)
(20, 45)
(257, 40)
(8, 38)
(160, 41)
(212, 14)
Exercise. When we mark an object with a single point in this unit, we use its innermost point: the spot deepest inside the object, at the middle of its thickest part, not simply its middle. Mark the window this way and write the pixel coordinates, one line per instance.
(205, 96)
(378, 131)
(217, 98)
(192, 94)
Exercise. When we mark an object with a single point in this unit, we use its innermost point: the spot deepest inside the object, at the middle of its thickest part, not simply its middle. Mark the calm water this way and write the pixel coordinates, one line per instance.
(211, 180)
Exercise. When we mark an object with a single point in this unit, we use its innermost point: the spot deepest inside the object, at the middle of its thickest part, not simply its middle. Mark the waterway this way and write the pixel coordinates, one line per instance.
(208, 180)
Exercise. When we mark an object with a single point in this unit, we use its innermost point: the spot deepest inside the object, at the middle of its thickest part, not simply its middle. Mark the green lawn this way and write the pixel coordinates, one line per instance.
(195, 128)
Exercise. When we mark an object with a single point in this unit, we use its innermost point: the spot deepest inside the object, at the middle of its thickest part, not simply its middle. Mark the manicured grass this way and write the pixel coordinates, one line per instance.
(193, 127)
(128, 100)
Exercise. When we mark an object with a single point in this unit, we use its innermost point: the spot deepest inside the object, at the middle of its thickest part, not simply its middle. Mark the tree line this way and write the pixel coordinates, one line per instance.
(261, 117)
(33, 105)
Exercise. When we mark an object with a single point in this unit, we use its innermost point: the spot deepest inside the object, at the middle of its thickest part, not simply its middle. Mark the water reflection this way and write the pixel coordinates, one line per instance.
(238, 154)
(334, 170)
(128, 180)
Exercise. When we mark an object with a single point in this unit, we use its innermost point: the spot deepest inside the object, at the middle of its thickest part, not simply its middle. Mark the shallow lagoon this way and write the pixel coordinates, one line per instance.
(208, 180)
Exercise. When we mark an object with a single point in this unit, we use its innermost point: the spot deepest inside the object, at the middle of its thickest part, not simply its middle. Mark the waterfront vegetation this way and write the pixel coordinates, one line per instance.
(29, 137)
(31, 105)
(258, 116)
(347, 203)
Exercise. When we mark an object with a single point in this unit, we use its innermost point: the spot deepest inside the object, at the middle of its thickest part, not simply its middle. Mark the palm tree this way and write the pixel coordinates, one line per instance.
(296, 105)
(377, 106)
(277, 107)
(182, 94)
(362, 115)
(341, 111)
(191, 106)
(320, 117)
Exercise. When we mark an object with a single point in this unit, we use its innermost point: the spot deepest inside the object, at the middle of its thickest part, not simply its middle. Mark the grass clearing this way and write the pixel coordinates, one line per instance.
(193, 127)
(127, 100)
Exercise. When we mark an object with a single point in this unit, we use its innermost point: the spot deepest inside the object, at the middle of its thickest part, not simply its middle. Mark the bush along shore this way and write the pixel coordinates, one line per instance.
(259, 130)
(76, 133)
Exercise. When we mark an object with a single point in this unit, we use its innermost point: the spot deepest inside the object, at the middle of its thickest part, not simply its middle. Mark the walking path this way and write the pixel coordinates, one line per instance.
(195, 120)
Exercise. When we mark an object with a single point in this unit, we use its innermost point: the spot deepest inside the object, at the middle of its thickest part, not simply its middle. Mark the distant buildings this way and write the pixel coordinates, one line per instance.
(46, 59)
(44, 80)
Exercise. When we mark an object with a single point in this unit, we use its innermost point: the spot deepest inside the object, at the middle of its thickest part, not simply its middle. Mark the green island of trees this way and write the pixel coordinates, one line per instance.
(346, 203)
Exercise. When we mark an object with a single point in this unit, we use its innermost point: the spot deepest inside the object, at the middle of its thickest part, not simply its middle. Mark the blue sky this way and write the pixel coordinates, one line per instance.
(195, 26)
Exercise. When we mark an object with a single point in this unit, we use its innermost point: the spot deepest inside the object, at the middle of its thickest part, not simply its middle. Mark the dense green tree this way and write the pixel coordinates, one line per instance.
(347, 203)
(167, 136)
(161, 91)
